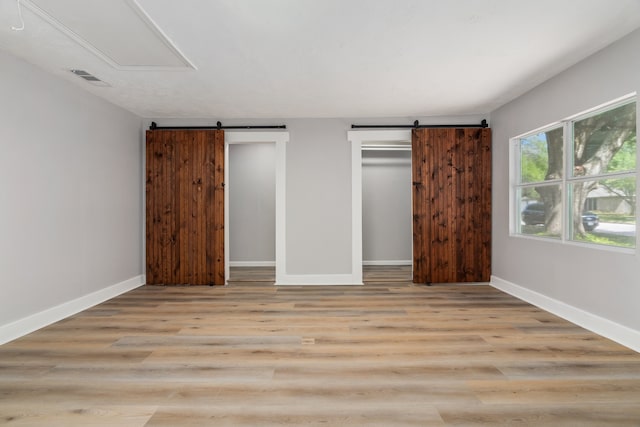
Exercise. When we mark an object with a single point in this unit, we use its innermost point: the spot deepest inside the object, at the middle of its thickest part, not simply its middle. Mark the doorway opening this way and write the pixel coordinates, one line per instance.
(387, 241)
(252, 212)
(383, 140)
(255, 173)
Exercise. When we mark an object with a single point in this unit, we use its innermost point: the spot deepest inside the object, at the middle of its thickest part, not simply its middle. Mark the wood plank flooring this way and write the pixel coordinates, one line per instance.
(252, 274)
(371, 274)
(252, 354)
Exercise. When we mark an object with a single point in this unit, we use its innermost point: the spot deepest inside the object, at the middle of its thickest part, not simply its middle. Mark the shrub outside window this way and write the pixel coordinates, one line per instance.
(589, 197)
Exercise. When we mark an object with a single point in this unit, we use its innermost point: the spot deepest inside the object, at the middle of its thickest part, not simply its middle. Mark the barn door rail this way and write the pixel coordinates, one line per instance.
(218, 126)
(417, 125)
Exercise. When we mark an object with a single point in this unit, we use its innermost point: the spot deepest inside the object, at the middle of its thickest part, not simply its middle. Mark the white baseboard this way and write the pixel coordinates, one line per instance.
(601, 326)
(24, 326)
(391, 262)
(317, 279)
(252, 263)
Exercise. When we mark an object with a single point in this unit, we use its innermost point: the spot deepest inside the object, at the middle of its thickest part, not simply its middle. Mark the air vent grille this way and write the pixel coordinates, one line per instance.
(89, 77)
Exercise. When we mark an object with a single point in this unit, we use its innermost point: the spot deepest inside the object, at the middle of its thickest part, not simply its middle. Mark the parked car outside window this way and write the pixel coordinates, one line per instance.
(533, 214)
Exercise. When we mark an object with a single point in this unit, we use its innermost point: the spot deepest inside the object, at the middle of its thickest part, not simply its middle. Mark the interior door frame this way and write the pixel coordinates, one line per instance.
(249, 137)
(357, 138)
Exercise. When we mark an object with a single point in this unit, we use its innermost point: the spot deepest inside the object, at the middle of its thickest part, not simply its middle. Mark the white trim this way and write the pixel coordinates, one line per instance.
(281, 205)
(26, 325)
(143, 210)
(357, 139)
(252, 137)
(389, 262)
(249, 137)
(227, 262)
(386, 147)
(607, 328)
(252, 264)
(609, 105)
(514, 171)
(386, 135)
(356, 207)
(162, 36)
(318, 279)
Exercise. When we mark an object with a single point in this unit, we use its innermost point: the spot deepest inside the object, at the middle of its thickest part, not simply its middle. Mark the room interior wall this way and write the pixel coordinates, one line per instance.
(318, 189)
(70, 198)
(318, 240)
(591, 282)
(71, 219)
(252, 200)
(318, 198)
(386, 207)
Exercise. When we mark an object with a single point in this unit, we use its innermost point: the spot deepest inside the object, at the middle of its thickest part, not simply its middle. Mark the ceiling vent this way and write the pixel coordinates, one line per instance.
(90, 78)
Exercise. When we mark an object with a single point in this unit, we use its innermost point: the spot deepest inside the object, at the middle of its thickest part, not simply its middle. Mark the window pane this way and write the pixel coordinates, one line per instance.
(535, 165)
(606, 142)
(603, 212)
(541, 211)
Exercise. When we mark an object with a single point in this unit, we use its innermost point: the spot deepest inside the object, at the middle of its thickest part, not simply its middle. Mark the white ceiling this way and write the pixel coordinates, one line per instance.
(323, 58)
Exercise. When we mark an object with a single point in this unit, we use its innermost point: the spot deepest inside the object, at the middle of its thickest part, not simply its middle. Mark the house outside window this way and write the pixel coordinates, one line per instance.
(587, 196)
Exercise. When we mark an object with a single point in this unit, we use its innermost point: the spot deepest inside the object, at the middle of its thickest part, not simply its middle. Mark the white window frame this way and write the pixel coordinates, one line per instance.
(567, 179)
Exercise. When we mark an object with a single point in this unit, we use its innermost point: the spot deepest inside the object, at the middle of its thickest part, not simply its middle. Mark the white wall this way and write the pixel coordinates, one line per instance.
(318, 223)
(318, 195)
(318, 198)
(70, 194)
(386, 206)
(597, 283)
(252, 203)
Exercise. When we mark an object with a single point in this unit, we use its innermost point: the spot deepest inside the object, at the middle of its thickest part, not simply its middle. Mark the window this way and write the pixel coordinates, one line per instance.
(588, 196)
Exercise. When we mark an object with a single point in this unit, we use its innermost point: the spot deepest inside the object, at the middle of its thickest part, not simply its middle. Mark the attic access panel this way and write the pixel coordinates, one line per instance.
(117, 31)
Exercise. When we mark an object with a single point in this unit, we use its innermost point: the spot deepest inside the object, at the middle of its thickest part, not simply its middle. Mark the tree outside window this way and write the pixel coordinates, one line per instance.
(553, 194)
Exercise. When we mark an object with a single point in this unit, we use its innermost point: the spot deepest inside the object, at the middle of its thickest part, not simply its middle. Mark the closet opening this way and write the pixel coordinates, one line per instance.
(251, 187)
(387, 240)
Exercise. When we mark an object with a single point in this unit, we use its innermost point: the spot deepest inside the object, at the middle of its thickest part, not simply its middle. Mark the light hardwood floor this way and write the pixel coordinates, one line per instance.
(252, 354)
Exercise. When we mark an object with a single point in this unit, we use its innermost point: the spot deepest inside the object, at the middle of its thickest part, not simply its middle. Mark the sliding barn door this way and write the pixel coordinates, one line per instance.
(451, 205)
(185, 207)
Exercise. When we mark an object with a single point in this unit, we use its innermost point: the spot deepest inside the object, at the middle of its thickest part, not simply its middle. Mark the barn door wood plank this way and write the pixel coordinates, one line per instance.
(452, 205)
(419, 204)
(172, 211)
(151, 213)
(185, 218)
(218, 210)
(182, 267)
(485, 220)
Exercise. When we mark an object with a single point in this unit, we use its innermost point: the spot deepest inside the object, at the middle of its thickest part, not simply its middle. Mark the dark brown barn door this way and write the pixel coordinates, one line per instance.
(185, 207)
(451, 205)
